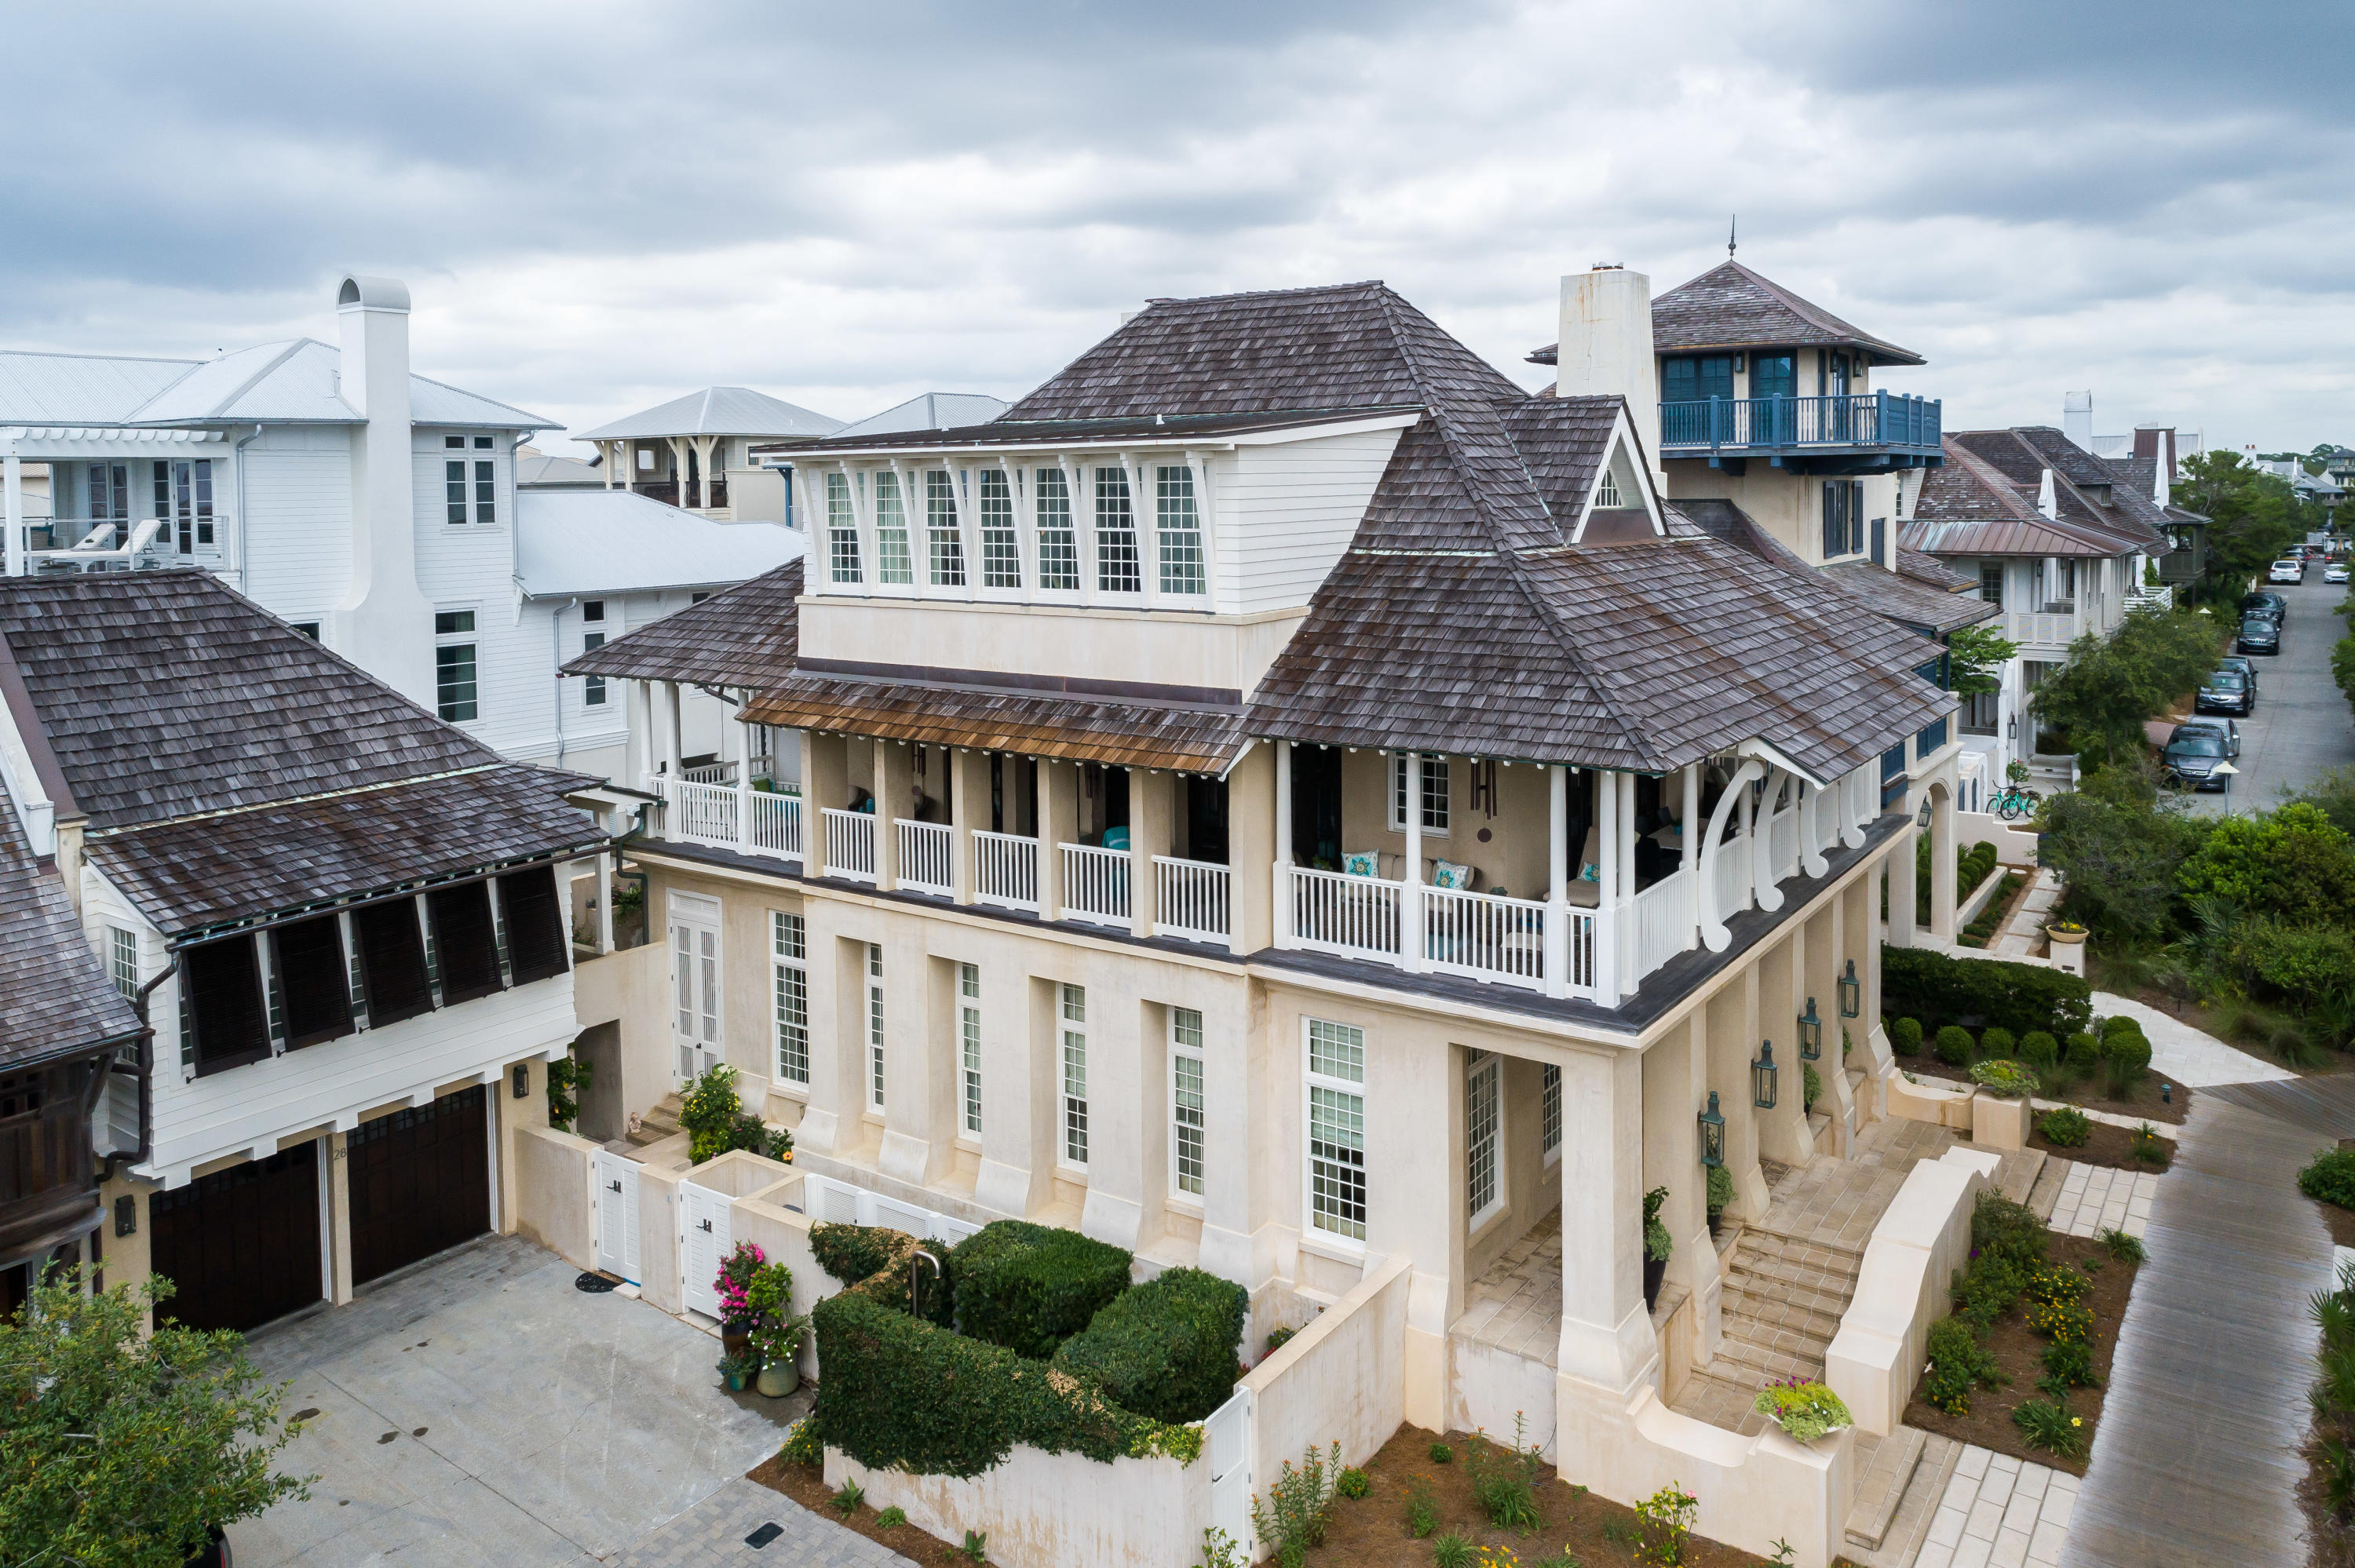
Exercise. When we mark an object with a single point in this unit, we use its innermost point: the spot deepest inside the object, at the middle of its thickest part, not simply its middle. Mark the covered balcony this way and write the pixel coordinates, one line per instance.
(1853, 425)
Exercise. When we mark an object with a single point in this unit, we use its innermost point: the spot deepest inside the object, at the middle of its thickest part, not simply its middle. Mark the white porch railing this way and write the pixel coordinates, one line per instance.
(705, 814)
(1484, 936)
(709, 773)
(1662, 923)
(776, 825)
(1732, 884)
(1783, 843)
(927, 857)
(2049, 629)
(849, 843)
(1004, 871)
(1096, 884)
(1356, 917)
(1191, 899)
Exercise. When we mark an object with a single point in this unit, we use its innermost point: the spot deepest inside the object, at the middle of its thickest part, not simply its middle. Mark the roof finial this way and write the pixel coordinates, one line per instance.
(1730, 226)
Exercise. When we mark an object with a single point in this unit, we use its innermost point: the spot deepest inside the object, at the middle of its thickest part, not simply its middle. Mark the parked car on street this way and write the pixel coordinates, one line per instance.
(2226, 691)
(2193, 756)
(2287, 570)
(2246, 666)
(2336, 572)
(2225, 728)
(2264, 603)
(2260, 634)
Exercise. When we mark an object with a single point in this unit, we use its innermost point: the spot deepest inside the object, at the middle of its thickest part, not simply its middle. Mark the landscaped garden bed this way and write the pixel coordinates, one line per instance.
(1999, 909)
(2327, 1493)
(2105, 1143)
(2329, 1179)
(2035, 1325)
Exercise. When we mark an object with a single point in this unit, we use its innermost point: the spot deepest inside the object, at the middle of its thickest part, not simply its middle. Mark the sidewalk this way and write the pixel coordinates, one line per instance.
(2186, 1054)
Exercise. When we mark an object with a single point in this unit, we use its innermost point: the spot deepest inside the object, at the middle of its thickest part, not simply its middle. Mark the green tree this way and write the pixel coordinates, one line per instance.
(119, 1450)
(2293, 864)
(2122, 855)
(2342, 667)
(2111, 686)
(1975, 656)
(2255, 515)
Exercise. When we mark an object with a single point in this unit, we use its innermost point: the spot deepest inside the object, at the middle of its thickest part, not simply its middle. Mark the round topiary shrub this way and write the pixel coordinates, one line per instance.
(1997, 1042)
(2114, 1027)
(2084, 1053)
(1954, 1045)
(1906, 1036)
(2330, 1178)
(2065, 1128)
(2125, 1059)
(2039, 1050)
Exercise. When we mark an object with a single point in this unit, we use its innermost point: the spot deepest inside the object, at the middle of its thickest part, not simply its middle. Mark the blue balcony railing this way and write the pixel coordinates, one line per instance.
(1877, 421)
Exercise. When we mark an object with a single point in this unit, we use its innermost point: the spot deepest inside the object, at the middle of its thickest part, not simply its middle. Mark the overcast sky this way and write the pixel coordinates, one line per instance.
(601, 207)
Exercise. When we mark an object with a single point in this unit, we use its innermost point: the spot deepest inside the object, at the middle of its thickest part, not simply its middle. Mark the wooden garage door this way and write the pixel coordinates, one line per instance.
(242, 1244)
(421, 1182)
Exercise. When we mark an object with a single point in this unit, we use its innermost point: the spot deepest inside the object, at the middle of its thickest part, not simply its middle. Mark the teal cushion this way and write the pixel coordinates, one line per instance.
(1116, 838)
(1363, 862)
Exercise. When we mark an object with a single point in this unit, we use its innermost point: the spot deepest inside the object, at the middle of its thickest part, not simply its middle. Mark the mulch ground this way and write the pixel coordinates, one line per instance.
(1372, 1529)
(2107, 1145)
(805, 1484)
(2091, 1092)
(2020, 1352)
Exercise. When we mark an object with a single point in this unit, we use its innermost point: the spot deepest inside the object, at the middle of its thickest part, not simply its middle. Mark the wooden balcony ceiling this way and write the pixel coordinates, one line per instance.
(1186, 738)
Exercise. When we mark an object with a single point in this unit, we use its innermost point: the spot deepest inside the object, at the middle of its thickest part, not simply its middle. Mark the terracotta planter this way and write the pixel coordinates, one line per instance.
(779, 1378)
(734, 1341)
(1654, 1272)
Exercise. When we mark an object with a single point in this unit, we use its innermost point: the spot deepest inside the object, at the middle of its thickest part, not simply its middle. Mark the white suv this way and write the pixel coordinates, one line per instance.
(2288, 571)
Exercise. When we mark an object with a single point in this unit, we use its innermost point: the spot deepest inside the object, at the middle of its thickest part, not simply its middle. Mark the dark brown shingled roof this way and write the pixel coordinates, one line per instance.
(55, 996)
(1729, 306)
(1889, 594)
(202, 871)
(1932, 572)
(168, 693)
(1186, 737)
(743, 636)
(1983, 502)
(1007, 431)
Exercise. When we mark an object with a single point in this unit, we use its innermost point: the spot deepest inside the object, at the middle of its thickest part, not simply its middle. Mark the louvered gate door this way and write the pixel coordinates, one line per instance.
(617, 1214)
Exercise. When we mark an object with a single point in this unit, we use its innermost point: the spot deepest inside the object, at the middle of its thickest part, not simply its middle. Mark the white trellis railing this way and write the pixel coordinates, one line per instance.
(709, 773)
(1191, 899)
(776, 825)
(927, 853)
(1356, 917)
(849, 843)
(1096, 884)
(1662, 923)
(1005, 870)
(1484, 936)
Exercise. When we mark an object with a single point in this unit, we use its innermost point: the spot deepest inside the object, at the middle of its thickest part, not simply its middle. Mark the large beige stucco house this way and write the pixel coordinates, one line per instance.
(1283, 799)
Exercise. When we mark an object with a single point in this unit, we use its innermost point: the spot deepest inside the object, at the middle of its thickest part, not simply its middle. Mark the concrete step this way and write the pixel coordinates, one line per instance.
(1882, 1486)
(2017, 1170)
(1755, 1364)
(657, 1124)
(1794, 1260)
(1813, 1315)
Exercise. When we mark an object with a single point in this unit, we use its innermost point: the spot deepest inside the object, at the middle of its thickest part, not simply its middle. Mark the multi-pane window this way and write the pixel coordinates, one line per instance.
(969, 1043)
(1179, 523)
(941, 530)
(454, 485)
(841, 530)
(454, 666)
(109, 492)
(1059, 546)
(486, 492)
(1185, 1100)
(893, 562)
(1116, 563)
(874, 1026)
(184, 500)
(789, 961)
(123, 960)
(1337, 1128)
(1843, 516)
(1483, 1119)
(1074, 1008)
(1607, 490)
(1434, 793)
(593, 687)
(1991, 585)
(1001, 550)
(1549, 1112)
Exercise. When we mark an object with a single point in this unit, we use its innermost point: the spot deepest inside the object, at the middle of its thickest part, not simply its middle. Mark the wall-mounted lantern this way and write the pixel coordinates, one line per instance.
(1851, 993)
(1811, 1035)
(522, 1079)
(1712, 1135)
(1762, 1076)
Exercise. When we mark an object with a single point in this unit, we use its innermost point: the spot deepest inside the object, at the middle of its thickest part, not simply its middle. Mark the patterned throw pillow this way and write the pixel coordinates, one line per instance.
(1590, 871)
(1362, 863)
(1450, 875)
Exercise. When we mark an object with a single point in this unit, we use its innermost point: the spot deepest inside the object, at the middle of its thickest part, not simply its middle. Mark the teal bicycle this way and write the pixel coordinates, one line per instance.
(2015, 802)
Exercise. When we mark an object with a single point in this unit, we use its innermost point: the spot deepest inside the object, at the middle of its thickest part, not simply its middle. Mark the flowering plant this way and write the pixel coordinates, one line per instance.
(1802, 1408)
(2009, 1079)
(734, 1285)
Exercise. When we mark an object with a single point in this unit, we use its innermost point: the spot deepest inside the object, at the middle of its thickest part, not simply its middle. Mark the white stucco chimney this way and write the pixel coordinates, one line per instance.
(2157, 443)
(384, 624)
(2077, 418)
(1606, 347)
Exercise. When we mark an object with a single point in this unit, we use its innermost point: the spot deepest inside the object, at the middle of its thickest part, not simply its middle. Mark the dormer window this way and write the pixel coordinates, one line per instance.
(1606, 493)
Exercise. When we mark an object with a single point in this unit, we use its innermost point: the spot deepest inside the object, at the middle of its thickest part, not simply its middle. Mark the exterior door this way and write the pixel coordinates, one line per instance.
(421, 1182)
(1227, 1444)
(242, 1246)
(695, 982)
(617, 1213)
(184, 501)
(703, 1243)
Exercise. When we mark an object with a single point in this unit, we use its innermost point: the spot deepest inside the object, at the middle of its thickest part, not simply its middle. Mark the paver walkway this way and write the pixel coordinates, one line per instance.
(2196, 1465)
(2095, 1198)
(2189, 1055)
(712, 1534)
(2002, 1510)
(1515, 1303)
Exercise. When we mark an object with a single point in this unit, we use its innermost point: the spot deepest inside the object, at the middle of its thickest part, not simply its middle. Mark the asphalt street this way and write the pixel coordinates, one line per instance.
(2303, 726)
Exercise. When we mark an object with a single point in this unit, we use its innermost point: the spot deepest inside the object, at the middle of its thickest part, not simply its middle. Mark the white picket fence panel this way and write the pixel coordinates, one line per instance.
(1096, 884)
(926, 852)
(1005, 870)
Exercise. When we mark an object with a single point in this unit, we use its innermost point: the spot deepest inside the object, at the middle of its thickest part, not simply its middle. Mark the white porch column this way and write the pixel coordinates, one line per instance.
(968, 809)
(605, 901)
(1285, 923)
(733, 721)
(674, 723)
(1676, 1091)
(12, 509)
(1942, 865)
(1607, 1342)
(639, 697)
(1762, 842)
(1058, 784)
(704, 448)
(1557, 913)
(1606, 890)
(1151, 805)
(895, 793)
(1900, 861)
(1413, 945)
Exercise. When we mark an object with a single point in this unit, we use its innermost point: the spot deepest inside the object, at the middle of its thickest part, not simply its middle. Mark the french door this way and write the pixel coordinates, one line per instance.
(695, 983)
(184, 501)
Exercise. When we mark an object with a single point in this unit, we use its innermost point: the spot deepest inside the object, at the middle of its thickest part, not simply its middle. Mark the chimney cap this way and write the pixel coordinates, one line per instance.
(365, 294)
(1610, 266)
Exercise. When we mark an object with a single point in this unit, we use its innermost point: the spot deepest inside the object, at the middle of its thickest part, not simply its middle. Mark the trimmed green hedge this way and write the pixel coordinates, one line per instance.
(1923, 983)
(852, 1253)
(1030, 1288)
(1166, 1348)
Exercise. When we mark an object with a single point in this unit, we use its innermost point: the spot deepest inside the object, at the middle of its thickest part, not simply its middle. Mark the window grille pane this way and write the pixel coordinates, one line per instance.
(449, 621)
(1180, 528)
(1337, 1051)
(841, 530)
(1075, 1096)
(1336, 1162)
(1075, 1003)
(1482, 1115)
(787, 933)
(123, 959)
(892, 563)
(203, 501)
(793, 1024)
(592, 688)
(453, 683)
(486, 493)
(1552, 1109)
(1001, 552)
(1185, 1101)
(969, 1044)
(454, 484)
(1606, 492)
(1059, 547)
(682, 964)
(1116, 564)
(875, 1027)
(940, 528)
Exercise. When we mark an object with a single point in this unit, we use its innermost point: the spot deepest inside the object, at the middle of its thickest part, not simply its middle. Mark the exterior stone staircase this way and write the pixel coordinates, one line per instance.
(1782, 1304)
(658, 1123)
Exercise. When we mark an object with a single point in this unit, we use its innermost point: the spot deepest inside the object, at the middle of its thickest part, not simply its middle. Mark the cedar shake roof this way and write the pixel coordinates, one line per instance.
(1007, 431)
(56, 998)
(1983, 501)
(204, 872)
(1731, 307)
(741, 636)
(1932, 572)
(225, 759)
(1184, 736)
(1891, 594)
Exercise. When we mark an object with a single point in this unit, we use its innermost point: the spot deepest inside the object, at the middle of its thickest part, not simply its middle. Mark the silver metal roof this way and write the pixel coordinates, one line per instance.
(716, 411)
(930, 411)
(275, 383)
(573, 542)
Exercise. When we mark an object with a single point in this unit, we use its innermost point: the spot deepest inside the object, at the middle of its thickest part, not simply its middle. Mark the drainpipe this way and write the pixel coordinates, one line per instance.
(556, 646)
(237, 456)
(144, 1071)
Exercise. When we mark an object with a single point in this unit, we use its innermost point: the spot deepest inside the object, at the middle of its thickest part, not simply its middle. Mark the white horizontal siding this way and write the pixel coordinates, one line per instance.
(298, 526)
(1286, 512)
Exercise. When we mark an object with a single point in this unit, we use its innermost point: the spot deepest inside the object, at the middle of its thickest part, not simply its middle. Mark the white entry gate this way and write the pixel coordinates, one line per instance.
(616, 1196)
(704, 1243)
(1226, 1443)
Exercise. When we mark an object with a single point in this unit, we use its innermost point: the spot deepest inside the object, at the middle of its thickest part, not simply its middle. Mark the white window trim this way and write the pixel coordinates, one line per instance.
(123, 959)
(687, 912)
(781, 964)
(969, 1060)
(1483, 1078)
(1179, 1051)
(1434, 797)
(1067, 1113)
(1549, 1114)
(1310, 1232)
(470, 640)
(874, 1065)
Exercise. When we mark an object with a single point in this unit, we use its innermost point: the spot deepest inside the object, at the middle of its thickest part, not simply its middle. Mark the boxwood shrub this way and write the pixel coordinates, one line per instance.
(1954, 1045)
(1030, 1288)
(1906, 1036)
(1166, 1348)
(2330, 1177)
(852, 1253)
(1923, 983)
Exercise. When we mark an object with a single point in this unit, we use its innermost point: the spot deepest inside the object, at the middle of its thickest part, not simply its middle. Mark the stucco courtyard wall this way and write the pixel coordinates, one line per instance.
(552, 1194)
(1341, 1379)
(1052, 1511)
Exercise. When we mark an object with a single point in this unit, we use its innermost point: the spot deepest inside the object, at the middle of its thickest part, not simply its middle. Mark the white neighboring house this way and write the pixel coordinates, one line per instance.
(695, 451)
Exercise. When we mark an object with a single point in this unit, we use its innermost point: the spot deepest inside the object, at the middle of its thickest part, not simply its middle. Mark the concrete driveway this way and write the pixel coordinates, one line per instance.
(2302, 726)
(479, 1411)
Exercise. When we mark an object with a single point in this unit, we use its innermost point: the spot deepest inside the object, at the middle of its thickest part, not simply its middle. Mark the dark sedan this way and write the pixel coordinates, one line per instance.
(2226, 691)
(2259, 635)
(2194, 755)
(2264, 603)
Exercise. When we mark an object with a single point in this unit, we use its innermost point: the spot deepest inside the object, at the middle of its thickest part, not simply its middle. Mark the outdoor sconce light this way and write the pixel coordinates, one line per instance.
(523, 1080)
(126, 1215)
(1811, 1035)
(1851, 993)
(1922, 816)
(1762, 1076)
(1712, 1135)
(2166, 1094)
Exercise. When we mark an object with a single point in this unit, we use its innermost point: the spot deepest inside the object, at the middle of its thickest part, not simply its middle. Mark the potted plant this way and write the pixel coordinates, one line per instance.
(738, 1315)
(2067, 933)
(737, 1369)
(1658, 1243)
(1721, 1193)
(778, 1343)
(1803, 1409)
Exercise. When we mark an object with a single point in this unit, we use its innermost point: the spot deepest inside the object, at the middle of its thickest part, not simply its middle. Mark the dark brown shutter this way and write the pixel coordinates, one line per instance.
(536, 935)
(224, 990)
(463, 942)
(313, 986)
(392, 960)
